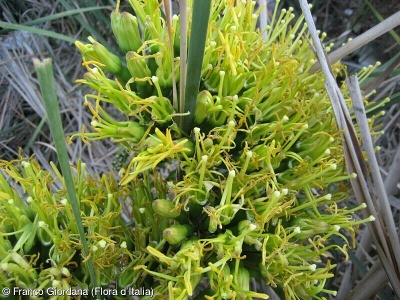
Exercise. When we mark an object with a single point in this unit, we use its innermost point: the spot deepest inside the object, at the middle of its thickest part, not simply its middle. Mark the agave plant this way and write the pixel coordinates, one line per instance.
(259, 180)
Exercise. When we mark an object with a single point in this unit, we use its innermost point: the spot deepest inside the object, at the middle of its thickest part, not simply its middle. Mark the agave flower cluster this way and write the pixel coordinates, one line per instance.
(40, 249)
(261, 171)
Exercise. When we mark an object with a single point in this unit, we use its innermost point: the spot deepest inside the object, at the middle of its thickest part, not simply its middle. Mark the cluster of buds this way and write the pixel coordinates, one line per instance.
(39, 241)
(259, 187)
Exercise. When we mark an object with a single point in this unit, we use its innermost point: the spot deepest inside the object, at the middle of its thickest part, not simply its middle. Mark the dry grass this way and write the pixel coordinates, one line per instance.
(22, 127)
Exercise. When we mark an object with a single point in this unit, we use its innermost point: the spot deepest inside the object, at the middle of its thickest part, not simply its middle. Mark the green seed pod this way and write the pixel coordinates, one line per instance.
(228, 214)
(176, 233)
(126, 30)
(225, 289)
(166, 208)
(217, 119)
(126, 278)
(53, 271)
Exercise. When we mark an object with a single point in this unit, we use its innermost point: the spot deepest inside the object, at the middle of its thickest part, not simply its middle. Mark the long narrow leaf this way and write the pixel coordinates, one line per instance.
(63, 15)
(198, 35)
(45, 74)
(38, 31)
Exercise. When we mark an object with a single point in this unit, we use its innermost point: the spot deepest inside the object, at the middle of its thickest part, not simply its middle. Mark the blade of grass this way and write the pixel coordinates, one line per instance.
(59, 16)
(198, 35)
(37, 31)
(99, 16)
(85, 24)
(47, 84)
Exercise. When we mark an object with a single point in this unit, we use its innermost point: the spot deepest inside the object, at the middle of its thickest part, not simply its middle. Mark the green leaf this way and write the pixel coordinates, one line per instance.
(47, 84)
(62, 15)
(37, 31)
(201, 15)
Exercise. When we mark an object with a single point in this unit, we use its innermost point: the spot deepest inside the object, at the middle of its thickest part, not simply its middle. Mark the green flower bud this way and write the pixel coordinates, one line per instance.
(177, 38)
(162, 110)
(213, 225)
(96, 79)
(176, 233)
(166, 208)
(43, 234)
(6, 245)
(126, 30)
(127, 130)
(137, 66)
(26, 278)
(18, 259)
(204, 100)
(188, 145)
(246, 226)
(151, 141)
(65, 272)
(111, 62)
